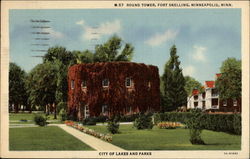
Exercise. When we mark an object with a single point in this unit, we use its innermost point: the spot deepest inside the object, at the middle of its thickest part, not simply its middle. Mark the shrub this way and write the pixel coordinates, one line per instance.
(143, 121)
(195, 127)
(113, 126)
(101, 118)
(89, 121)
(63, 114)
(128, 118)
(230, 123)
(40, 120)
(237, 124)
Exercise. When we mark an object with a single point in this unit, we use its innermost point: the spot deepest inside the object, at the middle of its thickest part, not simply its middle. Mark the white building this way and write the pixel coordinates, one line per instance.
(209, 100)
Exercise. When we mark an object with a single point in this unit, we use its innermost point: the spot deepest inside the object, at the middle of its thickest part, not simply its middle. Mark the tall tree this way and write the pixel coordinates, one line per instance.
(42, 85)
(84, 56)
(17, 89)
(191, 84)
(229, 83)
(174, 83)
(61, 54)
(110, 51)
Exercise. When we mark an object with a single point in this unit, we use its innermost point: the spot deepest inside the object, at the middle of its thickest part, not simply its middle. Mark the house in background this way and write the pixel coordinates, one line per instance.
(110, 88)
(209, 100)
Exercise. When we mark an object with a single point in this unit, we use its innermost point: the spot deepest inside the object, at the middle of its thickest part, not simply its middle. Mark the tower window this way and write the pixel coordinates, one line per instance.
(72, 84)
(105, 109)
(84, 84)
(105, 82)
(128, 82)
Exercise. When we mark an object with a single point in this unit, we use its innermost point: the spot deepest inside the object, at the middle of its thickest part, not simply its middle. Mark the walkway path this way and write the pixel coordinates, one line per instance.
(93, 142)
(22, 125)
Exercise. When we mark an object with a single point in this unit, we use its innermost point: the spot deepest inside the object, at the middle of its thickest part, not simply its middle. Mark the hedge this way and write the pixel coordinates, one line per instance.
(230, 123)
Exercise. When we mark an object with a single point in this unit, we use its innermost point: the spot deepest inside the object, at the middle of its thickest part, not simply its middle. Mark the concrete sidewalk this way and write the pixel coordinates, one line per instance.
(93, 142)
(22, 125)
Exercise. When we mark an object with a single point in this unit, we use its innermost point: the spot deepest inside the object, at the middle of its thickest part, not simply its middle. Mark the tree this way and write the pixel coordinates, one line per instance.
(229, 83)
(43, 85)
(61, 93)
(61, 54)
(62, 59)
(174, 83)
(190, 84)
(195, 126)
(17, 89)
(83, 57)
(109, 51)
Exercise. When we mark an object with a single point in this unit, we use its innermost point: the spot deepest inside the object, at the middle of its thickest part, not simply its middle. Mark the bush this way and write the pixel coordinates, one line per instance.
(237, 124)
(89, 121)
(195, 127)
(63, 115)
(230, 123)
(40, 120)
(143, 121)
(113, 126)
(101, 118)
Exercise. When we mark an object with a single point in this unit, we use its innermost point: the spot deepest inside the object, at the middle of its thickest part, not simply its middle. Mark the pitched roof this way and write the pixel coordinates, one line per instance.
(218, 75)
(210, 84)
(195, 92)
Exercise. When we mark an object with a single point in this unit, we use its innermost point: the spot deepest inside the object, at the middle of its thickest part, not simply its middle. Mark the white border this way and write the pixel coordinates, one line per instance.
(6, 5)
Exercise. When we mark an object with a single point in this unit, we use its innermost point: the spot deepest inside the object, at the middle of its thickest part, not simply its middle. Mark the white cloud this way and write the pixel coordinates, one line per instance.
(106, 28)
(199, 53)
(189, 70)
(160, 38)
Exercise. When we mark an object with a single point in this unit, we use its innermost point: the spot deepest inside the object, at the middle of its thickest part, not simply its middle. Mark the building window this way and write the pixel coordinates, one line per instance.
(215, 102)
(195, 104)
(105, 82)
(214, 93)
(235, 103)
(224, 103)
(105, 109)
(204, 95)
(196, 97)
(86, 111)
(129, 109)
(84, 84)
(149, 85)
(72, 84)
(128, 82)
(203, 105)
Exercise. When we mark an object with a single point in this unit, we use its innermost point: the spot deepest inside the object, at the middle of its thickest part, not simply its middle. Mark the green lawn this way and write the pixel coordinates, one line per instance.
(44, 138)
(13, 117)
(169, 139)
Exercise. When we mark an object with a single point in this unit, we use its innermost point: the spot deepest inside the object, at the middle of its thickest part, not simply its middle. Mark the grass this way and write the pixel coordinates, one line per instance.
(130, 138)
(44, 138)
(14, 118)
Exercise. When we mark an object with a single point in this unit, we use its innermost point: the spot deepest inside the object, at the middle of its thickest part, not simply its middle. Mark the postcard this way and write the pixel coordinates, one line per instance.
(124, 79)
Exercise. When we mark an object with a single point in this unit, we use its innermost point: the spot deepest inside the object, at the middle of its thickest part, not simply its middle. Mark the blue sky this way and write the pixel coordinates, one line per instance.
(204, 37)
